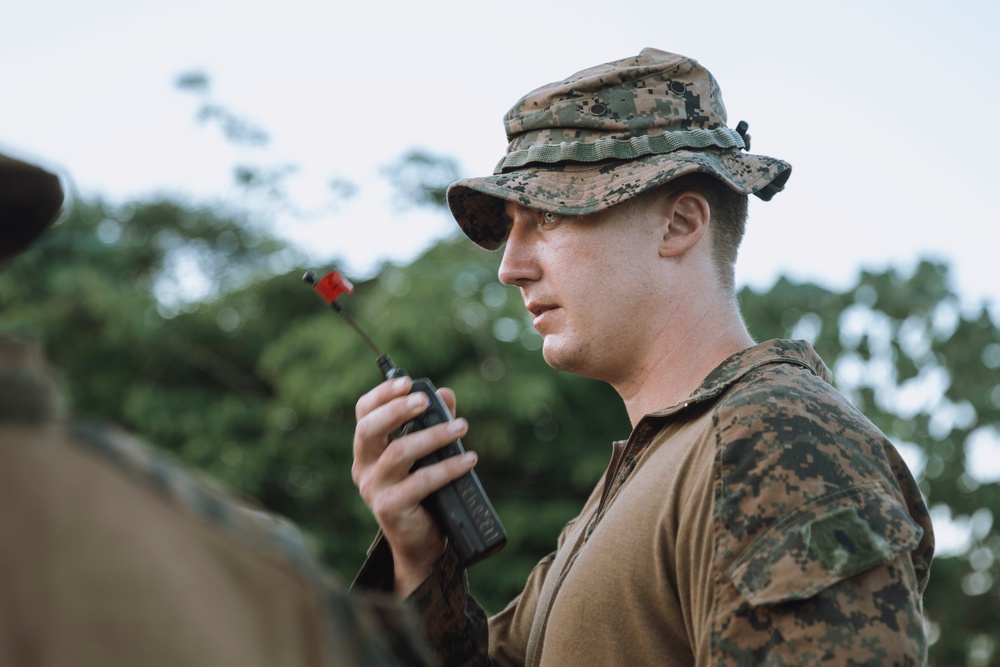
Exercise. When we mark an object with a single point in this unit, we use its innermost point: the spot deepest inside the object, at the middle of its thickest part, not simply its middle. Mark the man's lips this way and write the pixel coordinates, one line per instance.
(538, 311)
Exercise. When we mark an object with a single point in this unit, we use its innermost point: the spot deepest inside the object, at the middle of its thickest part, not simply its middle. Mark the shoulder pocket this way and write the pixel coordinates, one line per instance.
(831, 538)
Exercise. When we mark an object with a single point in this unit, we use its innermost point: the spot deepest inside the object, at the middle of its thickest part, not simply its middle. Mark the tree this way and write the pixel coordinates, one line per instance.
(264, 184)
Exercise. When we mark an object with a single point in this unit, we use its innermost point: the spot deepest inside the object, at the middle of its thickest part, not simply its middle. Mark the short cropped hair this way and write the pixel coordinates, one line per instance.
(728, 220)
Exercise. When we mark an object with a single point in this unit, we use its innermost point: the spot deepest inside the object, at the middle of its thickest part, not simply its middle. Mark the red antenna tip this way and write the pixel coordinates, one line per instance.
(332, 285)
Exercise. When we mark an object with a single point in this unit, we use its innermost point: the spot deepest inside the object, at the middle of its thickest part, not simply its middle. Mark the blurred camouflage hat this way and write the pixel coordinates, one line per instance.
(30, 200)
(607, 134)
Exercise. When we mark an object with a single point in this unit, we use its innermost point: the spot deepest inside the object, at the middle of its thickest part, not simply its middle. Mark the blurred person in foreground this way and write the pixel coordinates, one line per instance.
(753, 516)
(110, 555)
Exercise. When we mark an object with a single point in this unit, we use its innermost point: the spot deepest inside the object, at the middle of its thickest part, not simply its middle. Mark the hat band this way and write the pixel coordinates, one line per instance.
(621, 149)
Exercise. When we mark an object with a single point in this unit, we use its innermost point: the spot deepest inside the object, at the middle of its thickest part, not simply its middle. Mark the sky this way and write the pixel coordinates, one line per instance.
(887, 111)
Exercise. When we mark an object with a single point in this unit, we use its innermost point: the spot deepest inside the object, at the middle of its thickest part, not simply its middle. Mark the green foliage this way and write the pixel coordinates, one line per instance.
(183, 326)
(422, 179)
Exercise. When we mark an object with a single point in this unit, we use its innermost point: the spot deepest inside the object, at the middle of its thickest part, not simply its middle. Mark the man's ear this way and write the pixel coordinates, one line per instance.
(685, 219)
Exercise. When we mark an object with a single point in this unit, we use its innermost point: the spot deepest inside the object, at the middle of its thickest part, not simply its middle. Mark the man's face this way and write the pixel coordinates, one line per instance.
(589, 283)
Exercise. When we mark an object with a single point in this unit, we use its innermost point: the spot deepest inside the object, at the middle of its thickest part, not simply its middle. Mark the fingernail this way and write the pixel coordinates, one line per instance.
(399, 383)
(458, 425)
(416, 400)
(470, 457)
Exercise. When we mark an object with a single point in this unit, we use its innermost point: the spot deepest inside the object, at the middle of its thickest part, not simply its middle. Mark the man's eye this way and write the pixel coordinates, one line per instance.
(550, 218)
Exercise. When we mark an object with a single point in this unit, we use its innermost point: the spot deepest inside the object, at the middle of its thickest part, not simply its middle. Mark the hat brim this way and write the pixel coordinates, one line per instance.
(30, 201)
(584, 188)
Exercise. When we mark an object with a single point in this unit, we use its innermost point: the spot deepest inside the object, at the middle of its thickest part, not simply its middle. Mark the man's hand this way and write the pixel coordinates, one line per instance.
(381, 471)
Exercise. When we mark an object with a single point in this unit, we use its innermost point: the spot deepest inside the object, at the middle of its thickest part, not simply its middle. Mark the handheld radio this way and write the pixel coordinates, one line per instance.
(461, 508)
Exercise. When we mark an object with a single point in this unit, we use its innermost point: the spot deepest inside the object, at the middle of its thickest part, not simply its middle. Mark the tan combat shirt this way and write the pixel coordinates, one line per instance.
(763, 520)
(110, 555)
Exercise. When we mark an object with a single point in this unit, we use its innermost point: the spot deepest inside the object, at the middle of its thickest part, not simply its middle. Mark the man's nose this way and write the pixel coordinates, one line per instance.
(519, 264)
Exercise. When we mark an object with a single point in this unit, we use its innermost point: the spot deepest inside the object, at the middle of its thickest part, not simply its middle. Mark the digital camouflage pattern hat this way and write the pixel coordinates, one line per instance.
(607, 134)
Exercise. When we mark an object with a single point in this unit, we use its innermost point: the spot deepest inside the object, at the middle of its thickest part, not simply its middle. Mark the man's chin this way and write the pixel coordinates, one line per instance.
(559, 356)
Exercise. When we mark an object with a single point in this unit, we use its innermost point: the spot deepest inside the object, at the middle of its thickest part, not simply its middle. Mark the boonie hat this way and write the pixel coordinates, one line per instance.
(607, 134)
(30, 201)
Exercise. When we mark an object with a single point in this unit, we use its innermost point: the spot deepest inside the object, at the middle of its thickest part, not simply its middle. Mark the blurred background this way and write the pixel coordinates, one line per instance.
(215, 149)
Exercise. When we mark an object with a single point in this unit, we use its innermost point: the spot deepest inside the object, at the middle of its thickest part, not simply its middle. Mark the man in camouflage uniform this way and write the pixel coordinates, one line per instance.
(110, 555)
(753, 516)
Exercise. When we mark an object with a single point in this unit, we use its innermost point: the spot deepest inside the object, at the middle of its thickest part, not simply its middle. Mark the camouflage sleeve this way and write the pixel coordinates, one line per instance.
(821, 557)
(452, 621)
(830, 583)
(391, 633)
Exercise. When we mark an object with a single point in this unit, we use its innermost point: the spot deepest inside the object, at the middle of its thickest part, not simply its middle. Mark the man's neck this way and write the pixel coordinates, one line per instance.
(674, 370)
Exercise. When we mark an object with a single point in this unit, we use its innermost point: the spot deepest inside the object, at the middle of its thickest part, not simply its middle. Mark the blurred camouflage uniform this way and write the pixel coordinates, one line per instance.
(110, 555)
(763, 520)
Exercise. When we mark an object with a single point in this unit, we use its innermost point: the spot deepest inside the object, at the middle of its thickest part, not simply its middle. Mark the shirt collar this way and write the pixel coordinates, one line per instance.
(798, 352)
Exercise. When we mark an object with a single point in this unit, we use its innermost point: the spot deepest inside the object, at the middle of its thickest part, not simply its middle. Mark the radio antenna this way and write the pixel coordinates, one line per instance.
(331, 286)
